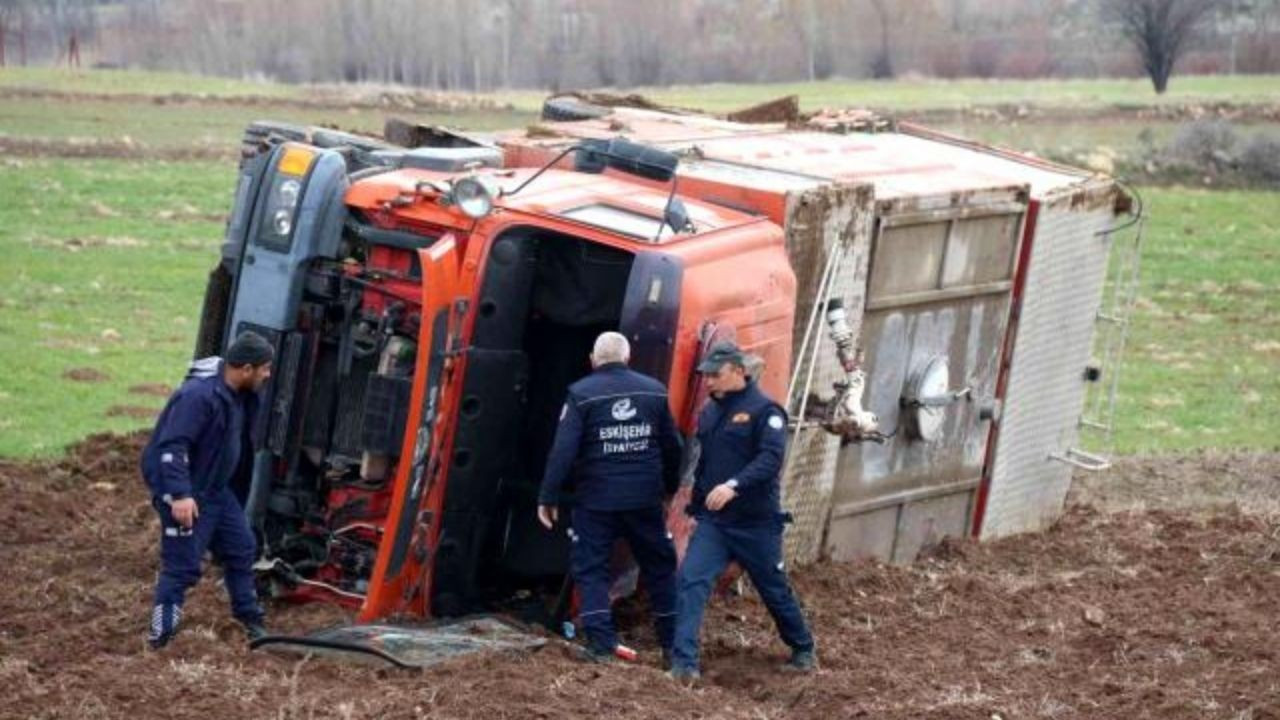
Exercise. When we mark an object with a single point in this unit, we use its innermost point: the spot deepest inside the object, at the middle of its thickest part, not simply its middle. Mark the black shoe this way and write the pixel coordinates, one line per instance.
(668, 659)
(254, 630)
(801, 661)
(155, 642)
(596, 655)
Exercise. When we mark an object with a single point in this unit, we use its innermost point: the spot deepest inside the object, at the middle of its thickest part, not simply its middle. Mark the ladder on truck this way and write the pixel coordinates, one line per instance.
(1115, 315)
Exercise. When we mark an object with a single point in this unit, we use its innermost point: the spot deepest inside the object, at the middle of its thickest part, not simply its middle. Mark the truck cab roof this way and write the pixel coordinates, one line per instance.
(626, 207)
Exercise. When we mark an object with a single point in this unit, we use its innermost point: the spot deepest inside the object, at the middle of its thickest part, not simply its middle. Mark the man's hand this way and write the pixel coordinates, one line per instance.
(548, 515)
(720, 496)
(668, 504)
(185, 512)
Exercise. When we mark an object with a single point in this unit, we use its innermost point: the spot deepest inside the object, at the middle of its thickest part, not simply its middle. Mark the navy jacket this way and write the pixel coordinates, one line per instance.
(188, 444)
(743, 437)
(617, 440)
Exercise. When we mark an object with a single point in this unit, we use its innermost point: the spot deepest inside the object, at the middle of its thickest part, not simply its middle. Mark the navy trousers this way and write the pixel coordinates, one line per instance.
(594, 534)
(759, 551)
(221, 528)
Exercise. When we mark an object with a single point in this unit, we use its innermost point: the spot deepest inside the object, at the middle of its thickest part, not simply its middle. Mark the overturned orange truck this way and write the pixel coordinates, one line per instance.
(925, 307)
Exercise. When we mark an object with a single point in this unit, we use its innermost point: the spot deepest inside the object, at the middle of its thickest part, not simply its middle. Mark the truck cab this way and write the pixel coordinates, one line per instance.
(429, 308)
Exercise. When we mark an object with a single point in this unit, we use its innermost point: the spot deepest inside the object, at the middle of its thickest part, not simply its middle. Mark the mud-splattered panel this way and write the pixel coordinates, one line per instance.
(937, 311)
(818, 222)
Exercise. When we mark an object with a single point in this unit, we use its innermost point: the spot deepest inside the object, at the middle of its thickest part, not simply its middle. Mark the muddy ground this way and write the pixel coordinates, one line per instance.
(1140, 613)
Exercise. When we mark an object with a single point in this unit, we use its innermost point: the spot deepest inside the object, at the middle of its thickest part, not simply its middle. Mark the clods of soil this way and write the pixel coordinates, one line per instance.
(1152, 613)
(85, 375)
(132, 411)
(152, 389)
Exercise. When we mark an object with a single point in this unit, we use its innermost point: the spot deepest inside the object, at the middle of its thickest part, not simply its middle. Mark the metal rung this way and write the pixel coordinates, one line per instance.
(1107, 317)
(1081, 459)
(1096, 425)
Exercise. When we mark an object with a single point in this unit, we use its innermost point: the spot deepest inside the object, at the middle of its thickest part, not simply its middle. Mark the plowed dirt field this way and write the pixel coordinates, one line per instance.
(1143, 612)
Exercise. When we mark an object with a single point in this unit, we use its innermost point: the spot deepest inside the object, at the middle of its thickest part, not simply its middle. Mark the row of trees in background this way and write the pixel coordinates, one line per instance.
(44, 32)
(487, 44)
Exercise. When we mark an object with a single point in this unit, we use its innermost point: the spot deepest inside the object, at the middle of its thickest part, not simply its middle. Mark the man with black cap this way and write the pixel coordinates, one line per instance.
(193, 467)
(736, 500)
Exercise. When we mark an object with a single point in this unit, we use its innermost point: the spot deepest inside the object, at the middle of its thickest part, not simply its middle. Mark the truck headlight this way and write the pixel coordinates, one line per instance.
(289, 190)
(283, 197)
(286, 204)
(473, 196)
(282, 223)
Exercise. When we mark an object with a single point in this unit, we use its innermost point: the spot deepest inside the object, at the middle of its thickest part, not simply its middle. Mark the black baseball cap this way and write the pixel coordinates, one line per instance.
(721, 353)
(249, 348)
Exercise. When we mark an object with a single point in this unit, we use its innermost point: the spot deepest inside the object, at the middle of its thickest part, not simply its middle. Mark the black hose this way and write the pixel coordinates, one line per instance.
(1138, 213)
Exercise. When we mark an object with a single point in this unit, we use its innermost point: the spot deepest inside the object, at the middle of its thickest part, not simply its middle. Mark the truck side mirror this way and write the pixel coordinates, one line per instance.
(676, 215)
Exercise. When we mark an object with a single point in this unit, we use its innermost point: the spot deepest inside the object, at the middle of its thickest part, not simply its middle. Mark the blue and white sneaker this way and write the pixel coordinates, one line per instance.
(165, 620)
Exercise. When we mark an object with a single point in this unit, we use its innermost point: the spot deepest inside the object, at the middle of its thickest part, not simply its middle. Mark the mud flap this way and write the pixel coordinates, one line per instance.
(213, 314)
(407, 646)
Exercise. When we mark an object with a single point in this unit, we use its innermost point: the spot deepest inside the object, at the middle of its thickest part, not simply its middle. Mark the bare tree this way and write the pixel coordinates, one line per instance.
(804, 17)
(882, 65)
(1160, 30)
(11, 11)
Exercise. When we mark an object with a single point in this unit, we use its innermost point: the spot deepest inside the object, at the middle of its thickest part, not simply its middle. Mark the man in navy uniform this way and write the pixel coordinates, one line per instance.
(193, 469)
(617, 439)
(736, 501)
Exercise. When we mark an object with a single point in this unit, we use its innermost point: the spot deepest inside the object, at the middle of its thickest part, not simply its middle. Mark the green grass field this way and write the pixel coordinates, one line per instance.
(106, 263)
(185, 125)
(213, 125)
(1203, 361)
(940, 94)
(899, 94)
(147, 123)
(103, 268)
(138, 82)
(105, 259)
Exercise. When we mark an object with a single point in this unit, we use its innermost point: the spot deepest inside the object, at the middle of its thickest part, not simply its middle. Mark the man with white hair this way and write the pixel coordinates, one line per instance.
(618, 441)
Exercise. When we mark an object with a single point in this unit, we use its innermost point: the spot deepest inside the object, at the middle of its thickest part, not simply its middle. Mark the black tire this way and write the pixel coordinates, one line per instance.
(357, 150)
(567, 108)
(325, 138)
(261, 135)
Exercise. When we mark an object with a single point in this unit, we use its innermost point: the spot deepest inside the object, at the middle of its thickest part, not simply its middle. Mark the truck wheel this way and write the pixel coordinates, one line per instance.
(261, 136)
(567, 108)
(357, 150)
(257, 137)
(325, 138)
